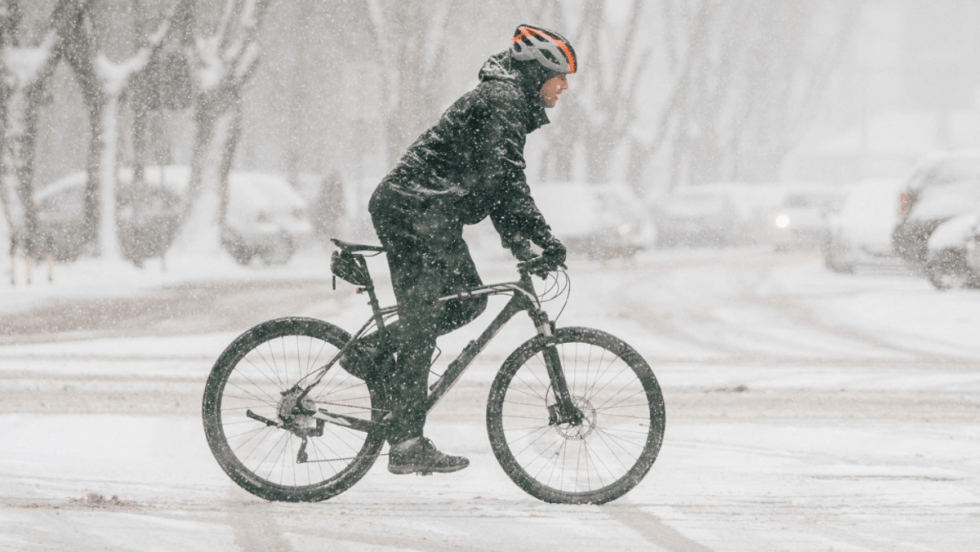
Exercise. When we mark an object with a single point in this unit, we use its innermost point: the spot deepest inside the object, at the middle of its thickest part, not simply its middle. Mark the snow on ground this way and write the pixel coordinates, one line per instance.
(806, 411)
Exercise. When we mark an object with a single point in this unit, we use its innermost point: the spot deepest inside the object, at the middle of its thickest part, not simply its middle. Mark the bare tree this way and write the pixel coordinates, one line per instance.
(164, 85)
(711, 89)
(600, 113)
(792, 81)
(751, 89)
(409, 36)
(223, 62)
(103, 84)
(686, 38)
(26, 71)
(607, 101)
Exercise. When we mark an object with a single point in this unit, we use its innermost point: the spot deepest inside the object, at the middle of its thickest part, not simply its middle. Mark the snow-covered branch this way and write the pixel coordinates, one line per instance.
(24, 65)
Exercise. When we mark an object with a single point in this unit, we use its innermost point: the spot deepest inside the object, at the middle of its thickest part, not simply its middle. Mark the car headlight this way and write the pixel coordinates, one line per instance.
(782, 221)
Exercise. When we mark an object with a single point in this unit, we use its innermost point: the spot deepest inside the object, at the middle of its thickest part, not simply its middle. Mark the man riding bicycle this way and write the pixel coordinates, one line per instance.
(469, 166)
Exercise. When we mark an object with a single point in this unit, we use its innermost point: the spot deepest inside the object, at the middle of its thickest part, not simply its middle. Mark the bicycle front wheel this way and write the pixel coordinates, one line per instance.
(249, 420)
(592, 462)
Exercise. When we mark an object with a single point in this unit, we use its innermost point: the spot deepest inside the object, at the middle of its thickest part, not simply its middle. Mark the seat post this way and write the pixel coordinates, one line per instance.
(372, 297)
(375, 306)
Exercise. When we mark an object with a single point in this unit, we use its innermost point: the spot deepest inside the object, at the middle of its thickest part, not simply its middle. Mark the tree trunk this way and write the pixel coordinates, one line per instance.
(203, 130)
(140, 156)
(108, 144)
(234, 136)
(25, 170)
(207, 193)
(92, 209)
(204, 197)
(24, 76)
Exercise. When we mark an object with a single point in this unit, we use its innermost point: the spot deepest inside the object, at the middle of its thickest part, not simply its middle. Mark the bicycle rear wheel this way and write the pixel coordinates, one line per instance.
(250, 426)
(600, 459)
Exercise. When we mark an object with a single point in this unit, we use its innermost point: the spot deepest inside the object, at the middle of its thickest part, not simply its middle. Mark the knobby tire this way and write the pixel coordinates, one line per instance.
(250, 375)
(591, 463)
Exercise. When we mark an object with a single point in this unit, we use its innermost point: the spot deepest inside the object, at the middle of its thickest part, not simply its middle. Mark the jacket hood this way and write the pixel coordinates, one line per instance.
(530, 76)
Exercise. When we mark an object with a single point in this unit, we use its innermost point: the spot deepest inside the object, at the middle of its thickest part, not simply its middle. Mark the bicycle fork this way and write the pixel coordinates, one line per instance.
(563, 411)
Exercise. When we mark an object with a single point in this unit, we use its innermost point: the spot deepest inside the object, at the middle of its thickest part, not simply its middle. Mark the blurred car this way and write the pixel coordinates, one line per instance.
(266, 218)
(702, 215)
(860, 232)
(947, 265)
(149, 218)
(146, 219)
(600, 221)
(943, 185)
(61, 217)
(326, 201)
(972, 250)
(801, 219)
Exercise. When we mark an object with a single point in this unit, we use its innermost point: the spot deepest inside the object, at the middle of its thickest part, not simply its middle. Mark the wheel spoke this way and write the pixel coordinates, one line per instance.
(619, 433)
(260, 375)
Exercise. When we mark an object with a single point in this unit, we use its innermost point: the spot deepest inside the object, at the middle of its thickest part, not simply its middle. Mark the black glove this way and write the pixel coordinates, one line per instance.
(523, 251)
(554, 253)
(552, 257)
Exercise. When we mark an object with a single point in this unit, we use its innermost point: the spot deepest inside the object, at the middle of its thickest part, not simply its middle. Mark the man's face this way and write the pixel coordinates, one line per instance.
(552, 88)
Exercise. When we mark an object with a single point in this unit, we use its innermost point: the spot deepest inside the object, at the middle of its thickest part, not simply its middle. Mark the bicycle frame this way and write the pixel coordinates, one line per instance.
(523, 298)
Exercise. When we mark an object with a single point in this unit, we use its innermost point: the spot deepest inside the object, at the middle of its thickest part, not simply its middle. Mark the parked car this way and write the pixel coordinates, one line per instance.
(147, 222)
(717, 214)
(61, 217)
(266, 218)
(947, 265)
(702, 215)
(755, 204)
(149, 219)
(327, 205)
(600, 221)
(943, 185)
(801, 219)
(972, 250)
(860, 232)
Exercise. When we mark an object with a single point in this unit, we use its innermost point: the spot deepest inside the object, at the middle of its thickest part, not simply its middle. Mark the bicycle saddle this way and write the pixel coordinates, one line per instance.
(355, 247)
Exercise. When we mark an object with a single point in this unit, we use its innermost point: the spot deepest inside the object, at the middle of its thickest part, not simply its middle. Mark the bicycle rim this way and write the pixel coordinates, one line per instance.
(610, 451)
(247, 388)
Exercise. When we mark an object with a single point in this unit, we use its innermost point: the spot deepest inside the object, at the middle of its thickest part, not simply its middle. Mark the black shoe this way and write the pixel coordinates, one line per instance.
(422, 457)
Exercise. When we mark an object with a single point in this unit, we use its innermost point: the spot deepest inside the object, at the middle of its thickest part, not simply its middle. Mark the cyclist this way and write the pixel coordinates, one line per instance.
(469, 166)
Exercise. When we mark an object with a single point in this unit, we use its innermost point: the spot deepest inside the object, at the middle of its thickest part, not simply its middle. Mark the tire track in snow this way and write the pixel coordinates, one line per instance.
(800, 311)
(695, 323)
(255, 527)
(661, 319)
(653, 529)
(173, 310)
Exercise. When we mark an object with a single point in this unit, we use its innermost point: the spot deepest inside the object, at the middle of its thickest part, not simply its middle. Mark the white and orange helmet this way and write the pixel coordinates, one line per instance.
(549, 48)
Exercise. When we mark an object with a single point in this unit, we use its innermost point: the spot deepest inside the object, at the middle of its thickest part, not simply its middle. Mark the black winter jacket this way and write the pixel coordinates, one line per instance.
(471, 163)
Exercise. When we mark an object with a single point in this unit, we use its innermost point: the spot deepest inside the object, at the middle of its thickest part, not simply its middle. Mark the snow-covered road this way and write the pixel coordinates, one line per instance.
(805, 411)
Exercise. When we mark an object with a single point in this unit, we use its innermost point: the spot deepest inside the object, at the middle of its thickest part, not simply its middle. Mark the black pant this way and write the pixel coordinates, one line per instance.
(428, 259)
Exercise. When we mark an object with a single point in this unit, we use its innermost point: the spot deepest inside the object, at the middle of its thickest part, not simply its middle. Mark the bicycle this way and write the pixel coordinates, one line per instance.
(574, 415)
